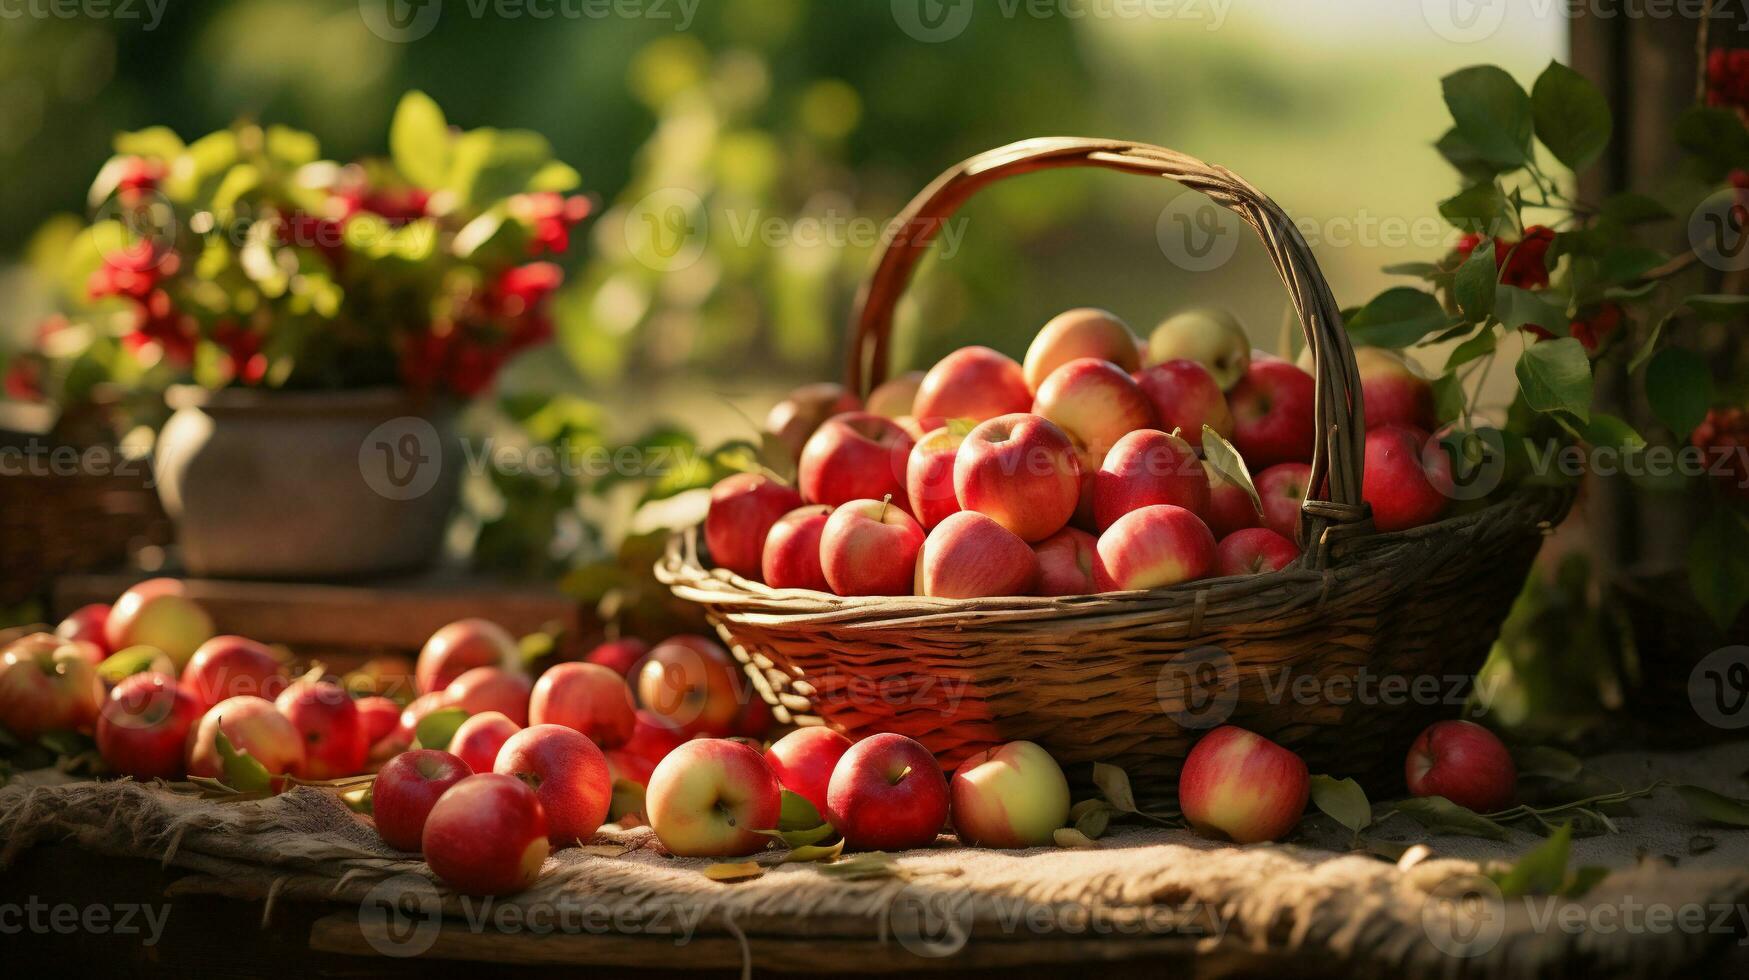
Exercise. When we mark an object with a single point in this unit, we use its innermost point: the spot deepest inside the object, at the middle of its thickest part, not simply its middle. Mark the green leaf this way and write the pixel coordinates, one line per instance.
(1398, 318)
(129, 661)
(1114, 784)
(1717, 307)
(1492, 113)
(436, 729)
(1468, 161)
(1548, 762)
(1631, 208)
(797, 813)
(419, 141)
(1715, 806)
(1572, 118)
(1421, 270)
(291, 147)
(1628, 263)
(1679, 388)
(1718, 566)
(1716, 138)
(1482, 208)
(1226, 461)
(160, 142)
(1070, 837)
(1516, 307)
(1343, 801)
(1091, 817)
(1441, 816)
(1555, 376)
(1474, 286)
(489, 164)
(813, 852)
(557, 177)
(1481, 345)
(242, 771)
(1541, 871)
(1607, 430)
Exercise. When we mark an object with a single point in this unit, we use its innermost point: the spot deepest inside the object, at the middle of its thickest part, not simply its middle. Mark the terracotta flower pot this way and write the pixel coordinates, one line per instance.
(307, 484)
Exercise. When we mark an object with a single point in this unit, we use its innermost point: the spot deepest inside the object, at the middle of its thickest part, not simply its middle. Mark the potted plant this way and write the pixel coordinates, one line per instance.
(314, 327)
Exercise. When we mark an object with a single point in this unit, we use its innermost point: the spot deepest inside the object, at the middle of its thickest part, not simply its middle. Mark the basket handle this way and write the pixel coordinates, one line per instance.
(1333, 509)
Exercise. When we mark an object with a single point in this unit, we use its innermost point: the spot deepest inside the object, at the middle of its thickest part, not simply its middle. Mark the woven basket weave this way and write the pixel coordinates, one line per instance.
(1343, 656)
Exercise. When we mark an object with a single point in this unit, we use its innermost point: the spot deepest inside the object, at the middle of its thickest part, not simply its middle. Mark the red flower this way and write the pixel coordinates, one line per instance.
(243, 358)
(550, 218)
(24, 378)
(1727, 78)
(1469, 241)
(1592, 331)
(133, 271)
(1523, 263)
(398, 206)
(521, 290)
(158, 322)
(473, 367)
(423, 359)
(1724, 435)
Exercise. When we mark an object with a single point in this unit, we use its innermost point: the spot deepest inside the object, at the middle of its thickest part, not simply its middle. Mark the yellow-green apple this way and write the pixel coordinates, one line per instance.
(970, 556)
(485, 689)
(1065, 563)
(406, 789)
(1022, 470)
(1463, 762)
(929, 474)
(1186, 397)
(692, 683)
(621, 655)
(323, 713)
(852, 456)
(804, 759)
(869, 547)
(1078, 333)
(1393, 389)
(1095, 402)
(1241, 785)
(1273, 419)
(228, 666)
(568, 772)
(1230, 508)
(897, 396)
(796, 418)
(1251, 550)
(887, 793)
(1155, 546)
(460, 647)
(1212, 338)
(653, 737)
(743, 507)
(377, 717)
(252, 725)
(486, 835)
(710, 797)
(1145, 468)
(1283, 488)
(480, 738)
(588, 698)
(973, 383)
(1012, 795)
(88, 623)
(1402, 478)
(159, 613)
(143, 727)
(792, 550)
(48, 685)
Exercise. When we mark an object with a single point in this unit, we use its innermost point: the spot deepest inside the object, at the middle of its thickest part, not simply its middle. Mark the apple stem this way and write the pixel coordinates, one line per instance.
(886, 501)
(901, 776)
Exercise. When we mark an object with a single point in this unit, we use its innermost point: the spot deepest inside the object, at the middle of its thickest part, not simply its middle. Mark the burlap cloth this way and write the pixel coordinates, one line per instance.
(1675, 898)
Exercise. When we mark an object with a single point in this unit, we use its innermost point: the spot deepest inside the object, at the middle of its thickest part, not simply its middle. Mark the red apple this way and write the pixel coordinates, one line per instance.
(487, 835)
(1243, 786)
(887, 793)
(159, 613)
(1079, 333)
(804, 759)
(792, 550)
(588, 698)
(1148, 467)
(929, 474)
(406, 789)
(1273, 420)
(710, 796)
(143, 727)
(569, 773)
(692, 683)
(1252, 550)
(652, 739)
(1213, 338)
(1013, 795)
(970, 556)
(1230, 508)
(754, 719)
(252, 725)
(1065, 563)
(461, 646)
(377, 717)
(1021, 470)
(88, 623)
(869, 547)
(484, 689)
(1153, 547)
(414, 713)
(231, 666)
(897, 396)
(1463, 762)
(974, 383)
(48, 685)
(1392, 387)
(1186, 397)
(796, 418)
(1095, 402)
(742, 510)
(1283, 488)
(334, 742)
(480, 738)
(853, 456)
(621, 655)
(1401, 478)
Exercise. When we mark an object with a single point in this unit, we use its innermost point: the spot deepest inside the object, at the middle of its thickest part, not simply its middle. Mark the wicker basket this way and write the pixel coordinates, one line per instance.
(1342, 657)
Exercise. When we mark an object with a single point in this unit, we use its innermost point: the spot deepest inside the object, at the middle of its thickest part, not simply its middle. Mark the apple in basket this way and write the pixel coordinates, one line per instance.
(797, 417)
(804, 759)
(709, 798)
(743, 508)
(1241, 785)
(792, 550)
(252, 725)
(586, 697)
(1065, 563)
(1393, 389)
(461, 646)
(1022, 470)
(228, 666)
(970, 556)
(48, 684)
(485, 689)
(1012, 795)
(1186, 397)
(487, 835)
(324, 714)
(973, 383)
(478, 740)
(929, 474)
(887, 793)
(1283, 488)
(1273, 417)
(159, 613)
(621, 655)
(1230, 507)
(1404, 469)
(1078, 333)
(405, 790)
(1095, 402)
(144, 725)
(869, 547)
(1148, 467)
(692, 683)
(568, 772)
(896, 397)
(1251, 550)
(852, 456)
(1155, 546)
(88, 623)
(1463, 762)
(1210, 337)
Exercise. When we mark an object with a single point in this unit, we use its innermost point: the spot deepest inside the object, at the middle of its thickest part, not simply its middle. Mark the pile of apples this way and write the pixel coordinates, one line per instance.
(1080, 470)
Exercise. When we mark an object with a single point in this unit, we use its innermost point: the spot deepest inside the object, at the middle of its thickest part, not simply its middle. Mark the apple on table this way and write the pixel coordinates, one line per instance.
(405, 790)
(1012, 795)
(804, 759)
(483, 689)
(48, 684)
(461, 646)
(710, 797)
(887, 792)
(1242, 786)
(327, 719)
(143, 727)
(252, 725)
(1463, 762)
(478, 739)
(569, 774)
(487, 835)
(588, 698)
(692, 683)
(159, 613)
(228, 666)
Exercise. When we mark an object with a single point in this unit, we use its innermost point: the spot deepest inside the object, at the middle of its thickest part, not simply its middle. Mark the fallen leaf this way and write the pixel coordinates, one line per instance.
(734, 871)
